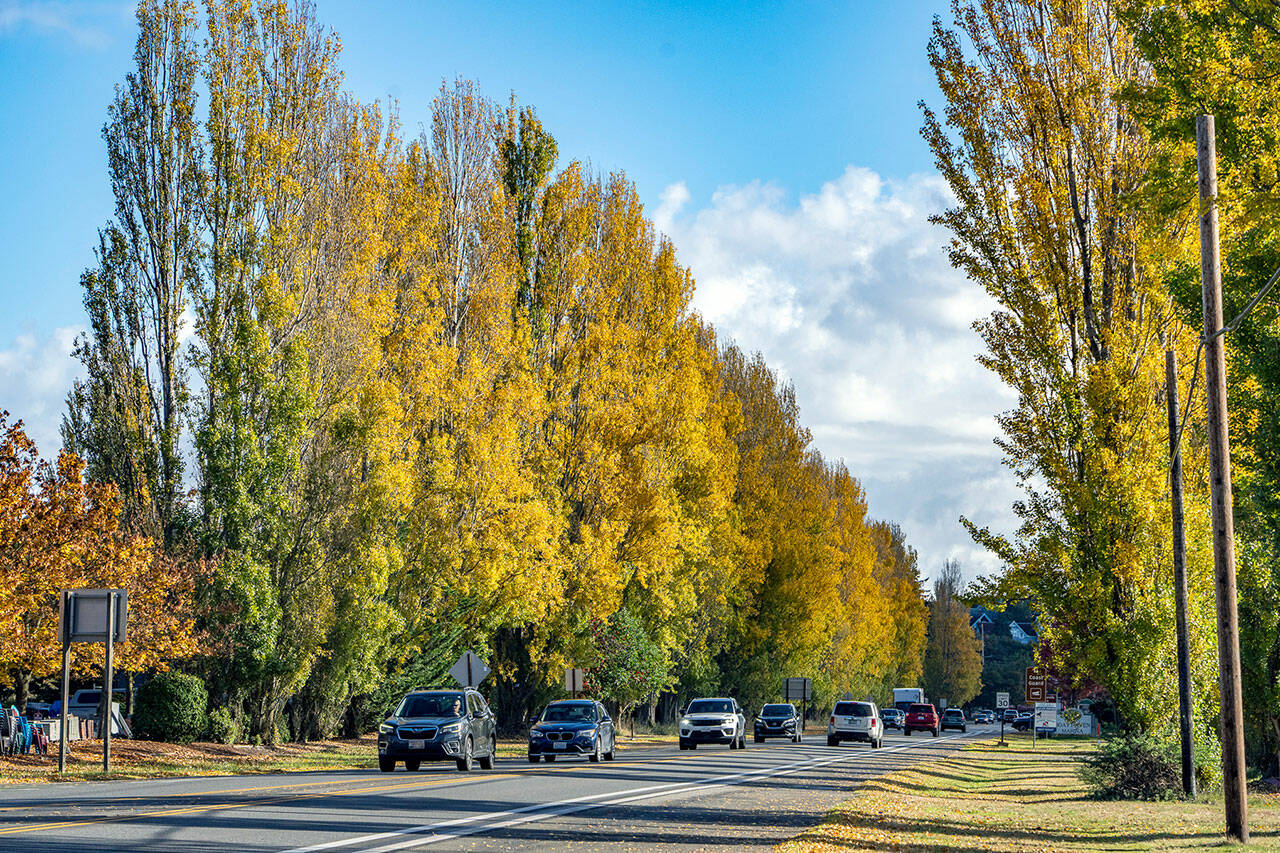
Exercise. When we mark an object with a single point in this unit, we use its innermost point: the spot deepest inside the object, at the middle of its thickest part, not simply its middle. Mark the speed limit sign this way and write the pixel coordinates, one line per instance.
(1002, 700)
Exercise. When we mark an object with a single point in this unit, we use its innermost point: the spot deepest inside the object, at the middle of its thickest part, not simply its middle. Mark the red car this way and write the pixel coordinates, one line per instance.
(921, 718)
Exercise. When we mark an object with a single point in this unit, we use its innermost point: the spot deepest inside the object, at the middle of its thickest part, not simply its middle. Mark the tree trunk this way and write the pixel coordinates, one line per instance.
(22, 690)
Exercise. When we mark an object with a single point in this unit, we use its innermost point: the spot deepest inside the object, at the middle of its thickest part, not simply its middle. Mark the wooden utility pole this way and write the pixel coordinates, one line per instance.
(1180, 577)
(1224, 556)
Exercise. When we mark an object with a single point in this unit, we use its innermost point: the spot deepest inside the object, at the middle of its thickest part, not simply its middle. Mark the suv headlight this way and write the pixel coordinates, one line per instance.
(451, 728)
(535, 734)
(684, 721)
(386, 728)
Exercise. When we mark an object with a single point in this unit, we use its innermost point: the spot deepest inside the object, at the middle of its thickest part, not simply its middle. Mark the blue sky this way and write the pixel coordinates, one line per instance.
(794, 122)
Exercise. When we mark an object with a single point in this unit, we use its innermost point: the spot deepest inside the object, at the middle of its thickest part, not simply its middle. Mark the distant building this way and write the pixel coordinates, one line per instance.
(980, 620)
(1024, 633)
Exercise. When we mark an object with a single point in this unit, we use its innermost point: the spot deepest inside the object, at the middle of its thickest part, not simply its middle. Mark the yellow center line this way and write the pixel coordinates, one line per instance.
(338, 793)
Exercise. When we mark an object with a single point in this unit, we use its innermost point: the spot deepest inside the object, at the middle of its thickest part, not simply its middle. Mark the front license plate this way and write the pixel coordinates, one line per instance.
(417, 744)
(559, 745)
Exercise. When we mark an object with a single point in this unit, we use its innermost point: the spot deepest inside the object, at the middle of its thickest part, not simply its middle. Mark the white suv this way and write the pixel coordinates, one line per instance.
(855, 721)
(713, 721)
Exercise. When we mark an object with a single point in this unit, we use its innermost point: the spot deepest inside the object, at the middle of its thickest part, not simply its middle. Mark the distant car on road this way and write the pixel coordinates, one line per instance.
(921, 718)
(984, 716)
(713, 721)
(439, 725)
(1010, 715)
(892, 718)
(953, 718)
(778, 721)
(572, 727)
(855, 721)
(1023, 723)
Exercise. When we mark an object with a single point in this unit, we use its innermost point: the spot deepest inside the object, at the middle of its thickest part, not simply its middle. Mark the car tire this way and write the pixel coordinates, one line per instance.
(594, 757)
(412, 764)
(964, 730)
(464, 763)
(742, 741)
(613, 747)
(907, 732)
(486, 763)
(533, 759)
(935, 732)
(875, 744)
(799, 738)
(386, 765)
(693, 746)
(550, 759)
(683, 746)
(833, 741)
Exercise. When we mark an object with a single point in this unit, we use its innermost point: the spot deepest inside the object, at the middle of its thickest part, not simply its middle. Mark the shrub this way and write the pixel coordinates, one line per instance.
(1134, 767)
(171, 707)
(223, 728)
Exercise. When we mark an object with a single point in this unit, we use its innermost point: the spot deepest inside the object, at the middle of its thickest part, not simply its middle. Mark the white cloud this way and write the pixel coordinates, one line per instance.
(848, 293)
(62, 19)
(35, 375)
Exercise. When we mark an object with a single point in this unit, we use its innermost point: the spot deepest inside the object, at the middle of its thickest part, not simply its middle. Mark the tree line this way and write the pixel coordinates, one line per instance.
(395, 396)
(1066, 132)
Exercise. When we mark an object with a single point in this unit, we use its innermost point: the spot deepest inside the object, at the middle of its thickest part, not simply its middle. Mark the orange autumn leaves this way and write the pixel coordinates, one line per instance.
(59, 532)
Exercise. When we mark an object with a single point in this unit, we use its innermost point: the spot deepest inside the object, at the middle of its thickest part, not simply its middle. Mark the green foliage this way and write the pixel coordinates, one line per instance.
(223, 727)
(1133, 767)
(952, 658)
(623, 665)
(171, 707)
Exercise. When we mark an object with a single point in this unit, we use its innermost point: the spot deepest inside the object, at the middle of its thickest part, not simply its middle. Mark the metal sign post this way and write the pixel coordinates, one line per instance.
(798, 690)
(90, 616)
(1002, 702)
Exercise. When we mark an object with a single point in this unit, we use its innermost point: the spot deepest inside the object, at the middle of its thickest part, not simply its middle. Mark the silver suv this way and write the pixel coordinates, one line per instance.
(713, 721)
(855, 721)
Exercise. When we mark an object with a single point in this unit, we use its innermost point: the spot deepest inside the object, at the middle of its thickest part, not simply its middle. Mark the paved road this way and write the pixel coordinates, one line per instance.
(713, 798)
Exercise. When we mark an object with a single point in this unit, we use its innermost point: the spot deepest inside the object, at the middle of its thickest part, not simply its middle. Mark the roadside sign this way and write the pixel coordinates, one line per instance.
(84, 619)
(573, 680)
(1002, 700)
(797, 689)
(1046, 716)
(469, 671)
(1035, 684)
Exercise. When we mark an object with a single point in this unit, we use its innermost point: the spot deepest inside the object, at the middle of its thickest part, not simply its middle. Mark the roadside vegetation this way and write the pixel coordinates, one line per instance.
(1023, 798)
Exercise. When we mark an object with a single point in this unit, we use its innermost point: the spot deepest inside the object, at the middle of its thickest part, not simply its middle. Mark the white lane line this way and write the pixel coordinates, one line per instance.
(459, 827)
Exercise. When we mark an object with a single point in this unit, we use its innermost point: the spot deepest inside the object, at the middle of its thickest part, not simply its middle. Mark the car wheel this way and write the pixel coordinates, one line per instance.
(693, 746)
(464, 763)
(799, 738)
(595, 754)
(935, 732)
(549, 758)
(907, 732)
(964, 730)
(875, 744)
(833, 741)
(683, 746)
(742, 741)
(386, 765)
(613, 747)
(412, 765)
(486, 763)
(533, 759)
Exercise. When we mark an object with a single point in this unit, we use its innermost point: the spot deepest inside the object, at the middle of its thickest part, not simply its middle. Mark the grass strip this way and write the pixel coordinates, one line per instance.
(1022, 798)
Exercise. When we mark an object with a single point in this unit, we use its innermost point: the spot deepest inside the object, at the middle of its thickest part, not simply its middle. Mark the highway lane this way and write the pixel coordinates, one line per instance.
(647, 799)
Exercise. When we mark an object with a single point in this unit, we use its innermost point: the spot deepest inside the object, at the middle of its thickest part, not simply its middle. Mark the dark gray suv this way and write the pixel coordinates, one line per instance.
(439, 725)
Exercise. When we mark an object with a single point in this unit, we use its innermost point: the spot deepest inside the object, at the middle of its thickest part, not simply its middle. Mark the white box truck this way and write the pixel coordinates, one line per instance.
(904, 697)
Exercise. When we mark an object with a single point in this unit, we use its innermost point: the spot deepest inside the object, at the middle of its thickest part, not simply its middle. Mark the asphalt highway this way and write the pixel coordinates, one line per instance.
(653, 799)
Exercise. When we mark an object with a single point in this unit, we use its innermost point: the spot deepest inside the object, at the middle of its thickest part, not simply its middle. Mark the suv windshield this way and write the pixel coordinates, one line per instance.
(580, 712)
(432, 705)
(777, 711)
(711, 706)
(952, 712)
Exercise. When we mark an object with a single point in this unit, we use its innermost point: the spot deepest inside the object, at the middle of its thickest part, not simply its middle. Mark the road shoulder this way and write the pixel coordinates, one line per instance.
(1018, 798)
